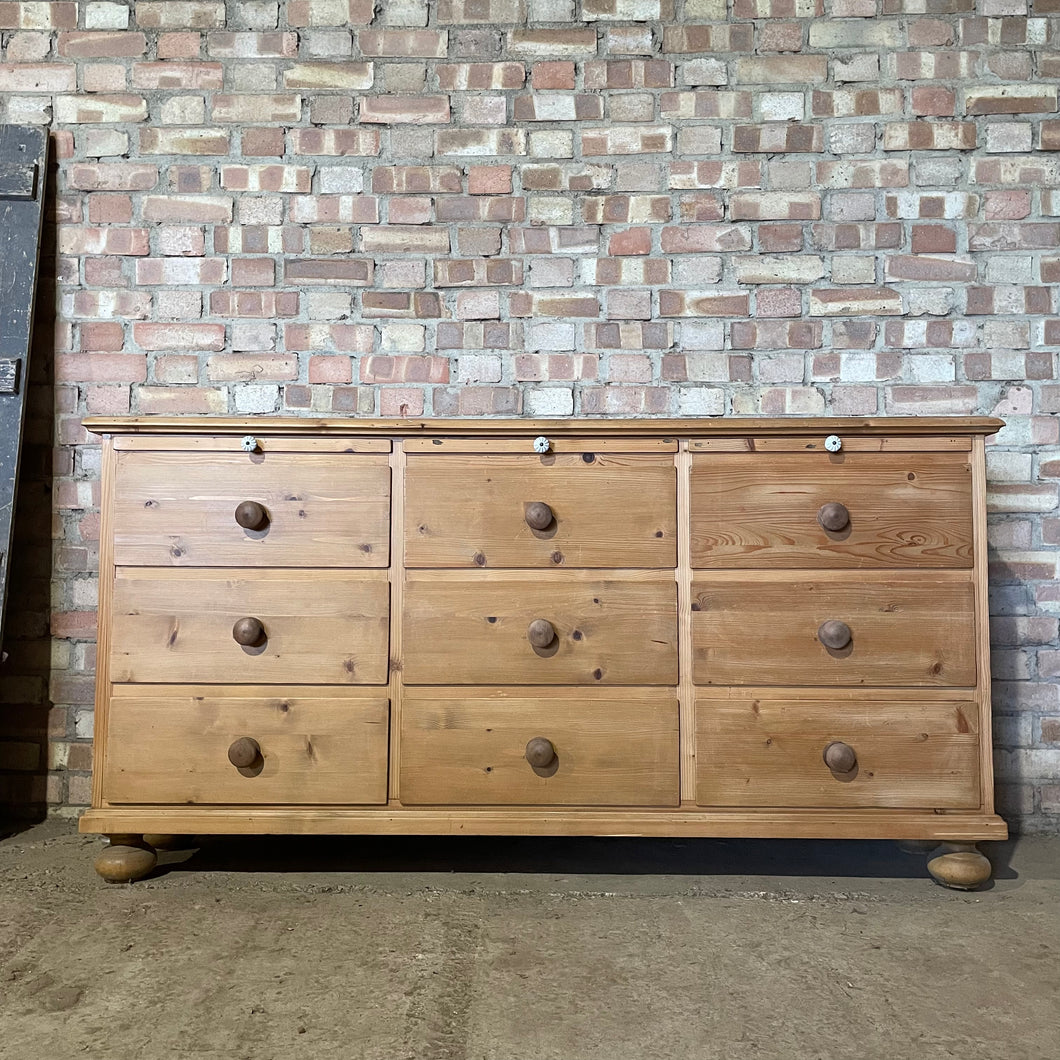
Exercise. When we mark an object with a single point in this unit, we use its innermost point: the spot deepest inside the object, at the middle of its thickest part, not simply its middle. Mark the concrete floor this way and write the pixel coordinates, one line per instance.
(525, 949)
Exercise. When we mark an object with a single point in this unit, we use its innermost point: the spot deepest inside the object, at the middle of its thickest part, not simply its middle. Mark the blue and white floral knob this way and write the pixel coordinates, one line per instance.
(249, 444)
(833, 443)
(542, 444)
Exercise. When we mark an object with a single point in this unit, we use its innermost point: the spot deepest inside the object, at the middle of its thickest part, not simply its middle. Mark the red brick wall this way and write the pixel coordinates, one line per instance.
(550, 207)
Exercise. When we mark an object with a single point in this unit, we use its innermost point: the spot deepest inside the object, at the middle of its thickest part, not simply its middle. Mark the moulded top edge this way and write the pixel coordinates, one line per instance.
(689, 428)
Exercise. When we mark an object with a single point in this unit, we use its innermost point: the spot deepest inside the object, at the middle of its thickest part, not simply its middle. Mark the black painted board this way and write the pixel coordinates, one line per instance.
(23, 160)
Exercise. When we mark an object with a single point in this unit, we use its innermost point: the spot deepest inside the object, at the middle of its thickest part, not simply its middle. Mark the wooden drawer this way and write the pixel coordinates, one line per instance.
(317, 746)
(907, 628)
(321, 626)
(761, 510)
(610, 748)
(320, 509)
(613, 629)
(766, 748)
(607, 510)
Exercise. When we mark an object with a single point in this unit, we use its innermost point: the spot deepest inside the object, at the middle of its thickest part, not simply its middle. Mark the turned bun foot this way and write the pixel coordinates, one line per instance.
(960, 866)
(127, 858)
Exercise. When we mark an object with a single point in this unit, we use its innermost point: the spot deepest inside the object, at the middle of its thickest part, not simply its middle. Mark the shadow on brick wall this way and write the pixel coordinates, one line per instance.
(25, 701)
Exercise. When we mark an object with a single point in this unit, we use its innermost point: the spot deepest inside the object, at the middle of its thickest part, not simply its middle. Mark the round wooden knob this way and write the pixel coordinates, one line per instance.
(840, 757)
(540, 753)
(538, 515)
(244, 752)
(833, 516)
(252, 516)
(248, 632)
(540, 633)
(834, 634)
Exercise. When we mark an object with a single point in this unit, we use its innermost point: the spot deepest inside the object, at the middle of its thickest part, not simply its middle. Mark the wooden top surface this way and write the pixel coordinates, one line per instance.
(291, 425)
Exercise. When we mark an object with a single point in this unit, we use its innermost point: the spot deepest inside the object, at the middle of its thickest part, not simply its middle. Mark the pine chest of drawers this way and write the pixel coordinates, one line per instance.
(642, 627)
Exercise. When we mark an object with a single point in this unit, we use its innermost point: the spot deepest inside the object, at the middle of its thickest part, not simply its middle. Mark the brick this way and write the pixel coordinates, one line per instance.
(778, 138)
(782, 70)
(726, 39)
(420, 43)
(777, 335)
(627, 140)
(703, 304)
(477, 12)
(778, 269)
(1013, 236)
(477, 272)
(180, 336)
(330, 12)
(364, 142)
(558, 106)
(177, 75)
(208, 209)
(929, 136)
(463, 77)
(392, 110)
(935, 65)
(312, 272)
(38, 15)
(225, 45)
(260, 304)
(116, 109)
(381, 369)
(274, 178)
(174, 14)
(868, 301)
(196, 141)
(252, 109)
(480, 142)
(920, 267)
(341, 209)
(552, 43)
(695, 239)
(26, 77)
(119, 241)
(857, 102)
(775, 206)
(401, 304)
(706, 103)
(113, 176)
(322, 76)
(627, 10)
(1011, 99)
(837, 33)
(863, 173)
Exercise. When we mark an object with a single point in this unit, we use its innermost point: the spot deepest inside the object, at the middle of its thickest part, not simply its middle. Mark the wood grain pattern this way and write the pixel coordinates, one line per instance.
(609, 511)
(176, 509)
(755, 510)
(852, 443)
(618, 628)
(768, 751)
(909, 628)
(230, 443)
(484, 426)
(169, 746)
(982, 625)
(322, 626)
(524, 445)
(403, 820)
(614, 749)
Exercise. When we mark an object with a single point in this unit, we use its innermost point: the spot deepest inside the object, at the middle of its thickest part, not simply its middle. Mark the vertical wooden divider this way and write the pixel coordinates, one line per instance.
(108, 471)
(982, 623)
(686, 693)
(396, 575)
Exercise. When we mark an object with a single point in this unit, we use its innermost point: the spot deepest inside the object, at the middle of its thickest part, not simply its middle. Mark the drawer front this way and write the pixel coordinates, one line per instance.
(819, 510)
(608, 748)
(313, 510)
(322, 627)
(172, 746)
(618, 629)
(603, 510)
(905, 628)
(767, 749)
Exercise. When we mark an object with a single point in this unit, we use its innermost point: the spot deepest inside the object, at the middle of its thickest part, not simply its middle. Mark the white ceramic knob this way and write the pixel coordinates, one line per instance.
(249, 444)
(833, 443)
(542, 444)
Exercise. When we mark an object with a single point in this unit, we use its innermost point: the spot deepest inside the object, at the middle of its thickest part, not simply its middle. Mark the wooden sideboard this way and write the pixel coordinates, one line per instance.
(736, 627)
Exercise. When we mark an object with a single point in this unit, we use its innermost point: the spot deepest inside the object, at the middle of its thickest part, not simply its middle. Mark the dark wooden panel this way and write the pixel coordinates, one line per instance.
(23, 154)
